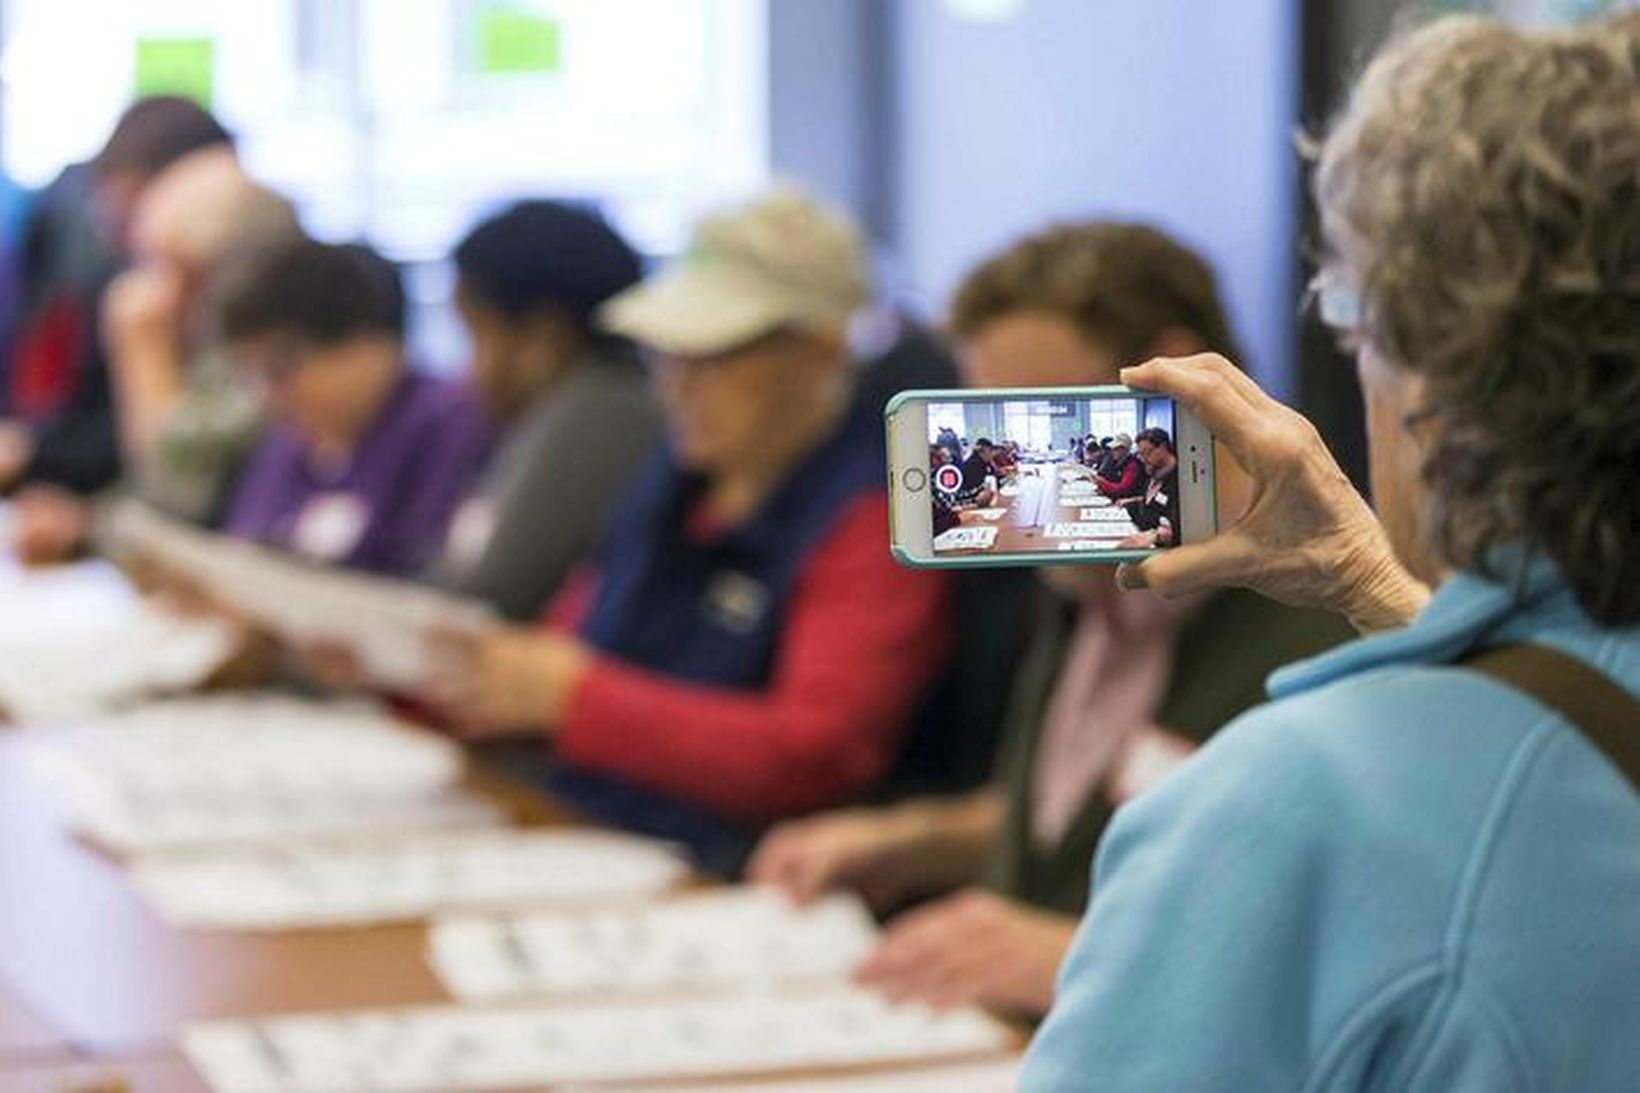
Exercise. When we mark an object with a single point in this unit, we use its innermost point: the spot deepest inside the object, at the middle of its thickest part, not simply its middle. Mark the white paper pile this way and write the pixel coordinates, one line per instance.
(966, 538)
(384, 622)
(286, 886)
(1087, 530)
(996, 1076)
(1111, 515)
(450, 1049)
(208, 771)
(78, 640)
(735, 939)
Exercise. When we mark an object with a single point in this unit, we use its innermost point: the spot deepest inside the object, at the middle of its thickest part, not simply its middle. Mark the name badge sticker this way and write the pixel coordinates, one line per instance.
(330, 526)
(470, 533)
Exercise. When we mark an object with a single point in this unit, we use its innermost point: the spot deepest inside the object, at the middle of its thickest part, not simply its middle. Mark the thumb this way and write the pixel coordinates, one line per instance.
(1179, 571)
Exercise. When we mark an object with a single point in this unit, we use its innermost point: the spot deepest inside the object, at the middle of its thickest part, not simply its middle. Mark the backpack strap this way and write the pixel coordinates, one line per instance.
(1608, 715)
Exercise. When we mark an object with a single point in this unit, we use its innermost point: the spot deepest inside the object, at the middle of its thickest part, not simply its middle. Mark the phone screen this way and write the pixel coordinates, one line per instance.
(1037, 475)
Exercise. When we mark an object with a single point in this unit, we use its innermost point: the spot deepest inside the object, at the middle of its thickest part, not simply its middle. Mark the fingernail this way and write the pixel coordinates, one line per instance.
(1131, 578)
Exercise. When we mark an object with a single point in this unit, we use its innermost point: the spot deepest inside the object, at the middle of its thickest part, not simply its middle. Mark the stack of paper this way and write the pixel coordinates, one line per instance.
(221, 770)
(286, 886)
(77, 640)
(975, 538)
(384, 622)
(450, 1049)
(737, 938)
(1111, 515)
(1102, 529)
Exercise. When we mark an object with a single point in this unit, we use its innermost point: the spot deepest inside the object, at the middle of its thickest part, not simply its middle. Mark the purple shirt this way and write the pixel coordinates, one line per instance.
(387, 507)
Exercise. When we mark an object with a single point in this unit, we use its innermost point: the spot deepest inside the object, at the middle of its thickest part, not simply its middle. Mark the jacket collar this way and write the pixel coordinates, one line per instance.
(1467, 610)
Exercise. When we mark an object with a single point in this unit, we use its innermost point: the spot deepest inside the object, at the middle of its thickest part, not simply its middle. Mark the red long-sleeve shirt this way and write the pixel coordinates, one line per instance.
(863, 638)
(1126, 486)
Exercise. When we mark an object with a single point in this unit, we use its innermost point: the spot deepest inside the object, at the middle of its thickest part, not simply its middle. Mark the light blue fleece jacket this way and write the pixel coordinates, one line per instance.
(1397, 875)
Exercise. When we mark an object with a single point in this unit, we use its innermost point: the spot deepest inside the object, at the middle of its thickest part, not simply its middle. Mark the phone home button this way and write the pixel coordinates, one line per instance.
(914, 479)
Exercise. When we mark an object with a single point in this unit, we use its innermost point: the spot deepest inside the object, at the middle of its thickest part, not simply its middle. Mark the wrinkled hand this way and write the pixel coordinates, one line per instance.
(49, 524)
(973, 948)
(1308, 539)
(142, 310)
(505, 680)
(867, 850)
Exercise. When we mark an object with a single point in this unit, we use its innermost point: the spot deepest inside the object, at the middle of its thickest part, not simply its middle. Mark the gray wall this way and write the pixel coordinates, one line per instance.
(1180, 112)
(948, 138)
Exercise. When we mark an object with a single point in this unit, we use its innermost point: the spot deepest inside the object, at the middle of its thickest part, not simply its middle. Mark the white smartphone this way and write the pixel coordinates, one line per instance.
(1045, 476)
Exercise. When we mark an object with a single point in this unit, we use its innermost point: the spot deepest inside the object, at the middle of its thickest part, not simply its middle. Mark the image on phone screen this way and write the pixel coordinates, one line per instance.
(1031, 475)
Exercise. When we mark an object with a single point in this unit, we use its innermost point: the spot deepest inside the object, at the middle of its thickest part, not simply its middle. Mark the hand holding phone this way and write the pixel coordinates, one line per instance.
(1309, 539)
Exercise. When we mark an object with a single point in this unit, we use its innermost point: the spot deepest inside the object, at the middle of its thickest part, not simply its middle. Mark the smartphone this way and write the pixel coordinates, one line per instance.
(1045, 476)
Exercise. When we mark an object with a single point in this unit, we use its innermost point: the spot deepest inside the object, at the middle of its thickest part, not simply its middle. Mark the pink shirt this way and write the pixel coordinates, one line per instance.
(1100, 724)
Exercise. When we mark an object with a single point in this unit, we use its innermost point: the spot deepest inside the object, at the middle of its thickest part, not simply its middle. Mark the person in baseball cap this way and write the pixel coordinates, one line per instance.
(781, 261)
(743, 647)
(748, 334)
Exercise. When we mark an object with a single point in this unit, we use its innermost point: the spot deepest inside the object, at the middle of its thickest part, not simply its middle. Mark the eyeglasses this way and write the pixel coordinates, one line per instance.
(1337, 303)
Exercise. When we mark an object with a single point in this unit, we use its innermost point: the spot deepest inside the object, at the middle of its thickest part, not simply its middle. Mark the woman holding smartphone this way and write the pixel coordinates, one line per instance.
(1113, 690)
(1417, 868)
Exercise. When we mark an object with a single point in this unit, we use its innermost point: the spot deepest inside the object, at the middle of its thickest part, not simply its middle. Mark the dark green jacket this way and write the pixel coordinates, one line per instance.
(1224, 653)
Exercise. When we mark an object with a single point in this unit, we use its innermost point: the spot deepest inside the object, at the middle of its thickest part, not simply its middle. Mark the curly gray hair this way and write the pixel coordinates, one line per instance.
(1481, 195)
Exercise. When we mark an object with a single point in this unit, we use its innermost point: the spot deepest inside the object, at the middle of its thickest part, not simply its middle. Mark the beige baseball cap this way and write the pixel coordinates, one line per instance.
(779, 260)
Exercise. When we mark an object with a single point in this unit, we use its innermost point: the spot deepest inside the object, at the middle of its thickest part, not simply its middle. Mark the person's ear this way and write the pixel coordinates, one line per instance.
(1176, 341)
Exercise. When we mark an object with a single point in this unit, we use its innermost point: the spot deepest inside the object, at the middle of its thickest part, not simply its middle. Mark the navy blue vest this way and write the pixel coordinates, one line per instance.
(711, 611)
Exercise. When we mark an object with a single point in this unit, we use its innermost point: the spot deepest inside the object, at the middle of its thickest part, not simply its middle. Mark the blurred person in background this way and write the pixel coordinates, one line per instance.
(742, 647)
(365, 459)
(1418, 867)
(1118, 473)
(185, 420)
(57, 419)
(572, 402)
(1155, 511)
(1115, 691)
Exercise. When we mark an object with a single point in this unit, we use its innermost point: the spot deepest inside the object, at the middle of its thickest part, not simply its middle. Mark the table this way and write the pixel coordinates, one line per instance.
(1028, 512)
(23, 1037)
(93, 985)
(166, 1073)
(87, 959)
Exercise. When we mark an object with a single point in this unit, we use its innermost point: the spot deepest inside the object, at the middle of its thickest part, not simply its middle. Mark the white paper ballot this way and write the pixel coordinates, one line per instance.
(1106, 515)
(384, 622)
(449, 1049)
(709, 942)
(986, 514)
(1086, 530)
(220, 770)
(995, 1076)
(77, 640)
(299, 886)
(966, 538)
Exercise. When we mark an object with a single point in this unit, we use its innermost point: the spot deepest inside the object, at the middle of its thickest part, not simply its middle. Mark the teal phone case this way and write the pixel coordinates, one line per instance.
(1040, 558)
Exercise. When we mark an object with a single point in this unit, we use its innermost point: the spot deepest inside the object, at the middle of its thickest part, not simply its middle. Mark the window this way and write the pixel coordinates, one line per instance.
(403, 121)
